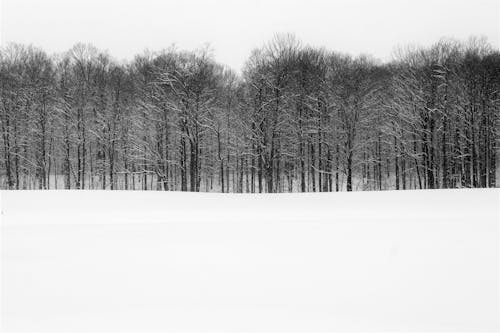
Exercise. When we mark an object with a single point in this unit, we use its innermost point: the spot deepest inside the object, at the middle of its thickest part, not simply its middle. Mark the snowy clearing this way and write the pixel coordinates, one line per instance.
(163, 261)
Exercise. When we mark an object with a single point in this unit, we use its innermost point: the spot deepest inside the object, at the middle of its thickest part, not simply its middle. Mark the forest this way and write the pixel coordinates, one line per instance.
(296, 118)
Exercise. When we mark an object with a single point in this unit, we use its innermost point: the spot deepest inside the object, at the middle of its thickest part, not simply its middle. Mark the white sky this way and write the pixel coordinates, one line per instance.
(234, 27)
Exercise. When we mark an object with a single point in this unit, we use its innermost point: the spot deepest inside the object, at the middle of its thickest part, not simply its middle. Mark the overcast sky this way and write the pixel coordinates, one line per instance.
(234, 27)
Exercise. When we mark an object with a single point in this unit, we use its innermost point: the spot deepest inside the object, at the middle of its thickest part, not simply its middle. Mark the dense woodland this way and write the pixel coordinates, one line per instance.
(296, 119)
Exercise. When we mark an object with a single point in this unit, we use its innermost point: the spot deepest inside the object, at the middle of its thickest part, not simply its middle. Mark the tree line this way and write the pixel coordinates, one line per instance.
(297, 119)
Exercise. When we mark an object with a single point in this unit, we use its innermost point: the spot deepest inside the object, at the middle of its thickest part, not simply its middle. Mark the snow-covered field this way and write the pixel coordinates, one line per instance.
(156, 261)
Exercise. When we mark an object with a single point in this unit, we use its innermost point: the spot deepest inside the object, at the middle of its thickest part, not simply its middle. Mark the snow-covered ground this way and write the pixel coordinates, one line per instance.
(156, 261)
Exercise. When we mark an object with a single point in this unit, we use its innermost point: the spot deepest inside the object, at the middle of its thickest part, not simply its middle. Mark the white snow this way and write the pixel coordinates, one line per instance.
(157, 261)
